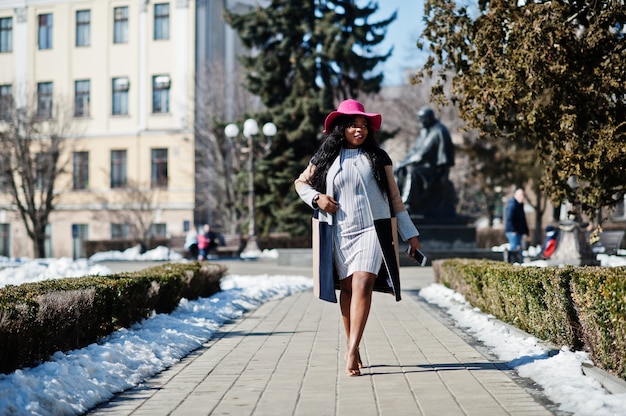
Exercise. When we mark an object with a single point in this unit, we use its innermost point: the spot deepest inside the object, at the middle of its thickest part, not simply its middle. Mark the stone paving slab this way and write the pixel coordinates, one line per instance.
(286, 358)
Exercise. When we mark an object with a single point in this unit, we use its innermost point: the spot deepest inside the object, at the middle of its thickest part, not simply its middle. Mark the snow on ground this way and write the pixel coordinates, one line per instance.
(135, 254)
(72, 383)
(559, 375)
(14, 272)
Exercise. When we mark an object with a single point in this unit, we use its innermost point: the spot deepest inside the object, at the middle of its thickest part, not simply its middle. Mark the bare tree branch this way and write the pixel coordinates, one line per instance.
(218, 158)
(32, 159)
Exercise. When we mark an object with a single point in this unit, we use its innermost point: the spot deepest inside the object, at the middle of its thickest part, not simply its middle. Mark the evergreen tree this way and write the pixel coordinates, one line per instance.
(306, 57)
(548, 75)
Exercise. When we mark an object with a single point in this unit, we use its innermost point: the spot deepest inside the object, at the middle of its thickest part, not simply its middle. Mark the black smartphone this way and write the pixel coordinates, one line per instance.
(419, 256)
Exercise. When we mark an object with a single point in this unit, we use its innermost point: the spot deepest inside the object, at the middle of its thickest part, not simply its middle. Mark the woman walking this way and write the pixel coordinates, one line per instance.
(350, 182)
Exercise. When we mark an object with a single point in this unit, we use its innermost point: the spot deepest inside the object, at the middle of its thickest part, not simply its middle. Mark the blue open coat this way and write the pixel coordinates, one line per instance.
(388, 279)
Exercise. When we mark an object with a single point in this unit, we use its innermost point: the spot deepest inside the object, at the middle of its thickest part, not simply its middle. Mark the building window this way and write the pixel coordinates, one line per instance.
(158, 170)
(83, 27)
(41, 170)
(80, 171)
(120, 25)
(160, 94)
(45, 31)
(5, 240)
(80, 234)
(81, 98)
(5, 157)
(161, 21)
(120, 96)
(6, 101)
(44, 100)
(157, 231)
(47, 244)
(6, 34)
(120, 231)
(118, 168)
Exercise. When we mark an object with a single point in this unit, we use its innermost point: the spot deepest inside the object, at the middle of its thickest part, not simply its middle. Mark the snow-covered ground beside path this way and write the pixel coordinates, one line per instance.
(72, 383)
(560, 375)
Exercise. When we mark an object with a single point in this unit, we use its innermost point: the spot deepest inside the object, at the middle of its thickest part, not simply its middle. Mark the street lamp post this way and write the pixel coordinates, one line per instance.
(250, 131)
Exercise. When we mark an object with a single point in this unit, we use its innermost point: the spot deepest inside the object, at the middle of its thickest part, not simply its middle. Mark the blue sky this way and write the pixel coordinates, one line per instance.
(402, 35)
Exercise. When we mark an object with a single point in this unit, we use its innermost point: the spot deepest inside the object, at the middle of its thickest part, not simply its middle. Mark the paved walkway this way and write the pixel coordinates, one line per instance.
(286, 358)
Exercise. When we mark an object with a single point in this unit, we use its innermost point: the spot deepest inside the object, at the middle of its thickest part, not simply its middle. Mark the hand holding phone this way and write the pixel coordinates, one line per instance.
(418, 256)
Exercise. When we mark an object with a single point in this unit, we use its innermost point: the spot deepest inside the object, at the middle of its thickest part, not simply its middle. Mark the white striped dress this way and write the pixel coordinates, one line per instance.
(356, 245)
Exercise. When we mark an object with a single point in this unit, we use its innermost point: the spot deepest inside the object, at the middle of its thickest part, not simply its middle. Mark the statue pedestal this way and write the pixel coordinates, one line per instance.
(453, 239)
(447, 237)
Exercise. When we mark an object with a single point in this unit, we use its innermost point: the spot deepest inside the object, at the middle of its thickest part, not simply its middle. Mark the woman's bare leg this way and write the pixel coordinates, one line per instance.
(345, 297)
(355, 308)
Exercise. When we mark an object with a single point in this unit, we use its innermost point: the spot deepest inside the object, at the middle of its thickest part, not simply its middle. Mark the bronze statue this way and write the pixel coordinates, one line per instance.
(423, 174)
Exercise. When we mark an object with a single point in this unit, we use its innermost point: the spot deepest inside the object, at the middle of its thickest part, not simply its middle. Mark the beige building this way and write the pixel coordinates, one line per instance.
(126, 70)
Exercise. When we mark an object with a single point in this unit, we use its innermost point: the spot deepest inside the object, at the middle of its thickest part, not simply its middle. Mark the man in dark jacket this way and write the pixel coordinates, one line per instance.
(515, 226)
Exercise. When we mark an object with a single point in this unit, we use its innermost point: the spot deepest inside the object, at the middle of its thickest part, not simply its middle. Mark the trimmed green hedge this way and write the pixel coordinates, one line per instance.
(38, 319)
(600, 299)
(581, 307)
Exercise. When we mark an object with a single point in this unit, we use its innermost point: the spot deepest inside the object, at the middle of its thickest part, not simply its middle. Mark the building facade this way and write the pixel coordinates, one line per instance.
(126, 70)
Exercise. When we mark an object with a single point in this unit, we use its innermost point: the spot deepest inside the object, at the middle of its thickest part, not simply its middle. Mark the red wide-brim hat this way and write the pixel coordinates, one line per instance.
(353, 108)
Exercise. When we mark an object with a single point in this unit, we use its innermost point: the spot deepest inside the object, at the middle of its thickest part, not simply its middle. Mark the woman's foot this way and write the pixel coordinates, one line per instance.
(358, 358)
(352, 364)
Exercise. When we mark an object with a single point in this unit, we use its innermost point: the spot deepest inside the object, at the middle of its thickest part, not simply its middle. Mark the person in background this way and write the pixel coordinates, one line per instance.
(212, 240)
(515, 226)
(202, 245)
(191, 243)
(350, 181)
(549, 245)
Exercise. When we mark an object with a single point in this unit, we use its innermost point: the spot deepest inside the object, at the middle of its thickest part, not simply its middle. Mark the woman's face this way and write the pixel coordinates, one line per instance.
(356, 132)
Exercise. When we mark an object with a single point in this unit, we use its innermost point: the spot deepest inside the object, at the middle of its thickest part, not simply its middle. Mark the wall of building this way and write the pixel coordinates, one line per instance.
(138, 132)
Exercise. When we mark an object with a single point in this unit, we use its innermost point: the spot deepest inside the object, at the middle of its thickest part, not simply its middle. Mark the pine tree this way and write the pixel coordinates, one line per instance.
(548, 75)
(306, 57)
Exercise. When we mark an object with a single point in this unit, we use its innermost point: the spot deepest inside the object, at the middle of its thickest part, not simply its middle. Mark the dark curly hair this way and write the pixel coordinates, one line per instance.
(331, 146)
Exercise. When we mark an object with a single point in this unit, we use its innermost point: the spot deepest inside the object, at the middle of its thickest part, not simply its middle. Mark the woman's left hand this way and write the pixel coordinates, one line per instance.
(415, 244)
